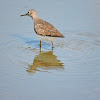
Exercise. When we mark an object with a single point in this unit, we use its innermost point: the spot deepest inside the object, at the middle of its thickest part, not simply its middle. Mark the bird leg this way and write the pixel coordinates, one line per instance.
(40, 44)
(52, 46)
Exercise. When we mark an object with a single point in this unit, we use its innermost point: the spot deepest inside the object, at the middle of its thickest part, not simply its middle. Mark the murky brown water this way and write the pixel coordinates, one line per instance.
(71, 71)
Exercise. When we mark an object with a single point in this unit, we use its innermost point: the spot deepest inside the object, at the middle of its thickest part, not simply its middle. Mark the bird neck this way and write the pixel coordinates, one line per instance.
(35, 17)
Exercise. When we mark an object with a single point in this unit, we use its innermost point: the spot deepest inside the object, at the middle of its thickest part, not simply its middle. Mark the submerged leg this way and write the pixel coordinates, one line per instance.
(52, 46)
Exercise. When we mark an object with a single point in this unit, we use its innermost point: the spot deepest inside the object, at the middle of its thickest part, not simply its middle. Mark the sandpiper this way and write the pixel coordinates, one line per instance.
(43, 29)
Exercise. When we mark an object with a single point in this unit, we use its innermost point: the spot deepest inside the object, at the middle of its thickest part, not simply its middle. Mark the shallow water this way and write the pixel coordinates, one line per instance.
(70, 71)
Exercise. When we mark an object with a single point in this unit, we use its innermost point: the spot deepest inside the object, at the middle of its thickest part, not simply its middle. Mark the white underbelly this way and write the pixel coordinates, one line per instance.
(46, 38)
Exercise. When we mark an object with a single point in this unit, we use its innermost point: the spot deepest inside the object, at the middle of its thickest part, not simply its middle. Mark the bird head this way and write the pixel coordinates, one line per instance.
(32, 13)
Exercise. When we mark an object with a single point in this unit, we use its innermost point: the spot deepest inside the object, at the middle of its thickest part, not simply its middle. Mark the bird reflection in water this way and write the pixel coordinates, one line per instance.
(45, 61)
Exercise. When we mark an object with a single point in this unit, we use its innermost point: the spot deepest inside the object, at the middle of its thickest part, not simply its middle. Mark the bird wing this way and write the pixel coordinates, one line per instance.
(47, 30)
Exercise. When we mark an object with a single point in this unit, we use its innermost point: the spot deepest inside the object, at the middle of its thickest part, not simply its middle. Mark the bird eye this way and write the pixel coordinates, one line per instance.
(28, 12)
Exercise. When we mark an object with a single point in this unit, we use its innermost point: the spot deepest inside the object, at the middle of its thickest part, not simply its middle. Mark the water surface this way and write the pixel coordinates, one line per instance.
(70, 71)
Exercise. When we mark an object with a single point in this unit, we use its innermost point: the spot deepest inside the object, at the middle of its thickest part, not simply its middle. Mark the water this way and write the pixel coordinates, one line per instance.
(71, 71)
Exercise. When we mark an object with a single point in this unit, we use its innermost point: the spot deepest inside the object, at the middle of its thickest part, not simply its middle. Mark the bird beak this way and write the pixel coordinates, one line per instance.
(24, 14)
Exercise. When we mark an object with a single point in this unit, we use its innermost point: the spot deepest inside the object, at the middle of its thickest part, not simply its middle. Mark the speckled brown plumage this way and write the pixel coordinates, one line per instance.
(43, 29)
